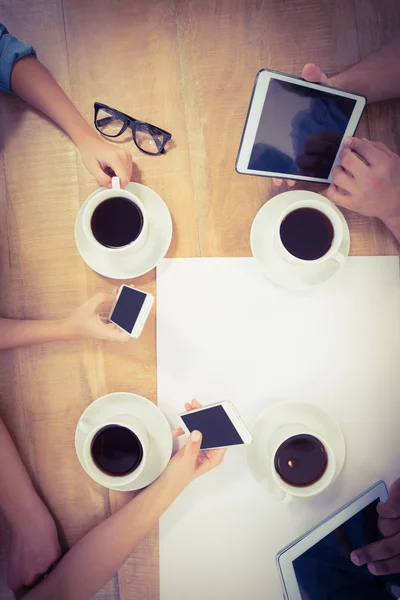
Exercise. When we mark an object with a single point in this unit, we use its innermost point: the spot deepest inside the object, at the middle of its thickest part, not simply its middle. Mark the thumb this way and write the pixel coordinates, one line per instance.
(388, 511)
(193, 445)
(123, 170)
(313, 74)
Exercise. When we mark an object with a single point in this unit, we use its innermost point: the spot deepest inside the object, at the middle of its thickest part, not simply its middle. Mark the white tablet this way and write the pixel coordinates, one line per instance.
(295, 129)
(318, 566)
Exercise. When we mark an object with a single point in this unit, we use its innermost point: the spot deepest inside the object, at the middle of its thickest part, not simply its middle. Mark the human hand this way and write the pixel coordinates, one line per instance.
(85, 322)
(383, 557)
(313, 74)
(367, 180)
(190, 462)
(98, 155)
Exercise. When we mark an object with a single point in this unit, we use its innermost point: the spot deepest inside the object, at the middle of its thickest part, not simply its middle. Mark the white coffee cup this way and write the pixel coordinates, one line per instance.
(90, 430)
(317, 202)
(282, 434)
(98, 198)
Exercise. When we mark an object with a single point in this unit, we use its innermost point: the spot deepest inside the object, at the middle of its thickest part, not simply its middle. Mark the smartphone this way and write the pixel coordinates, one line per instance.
(220, 425)
(131, 309)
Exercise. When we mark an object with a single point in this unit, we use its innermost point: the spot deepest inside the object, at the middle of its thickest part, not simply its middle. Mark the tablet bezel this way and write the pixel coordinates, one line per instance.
(286, 556)
(260, 90)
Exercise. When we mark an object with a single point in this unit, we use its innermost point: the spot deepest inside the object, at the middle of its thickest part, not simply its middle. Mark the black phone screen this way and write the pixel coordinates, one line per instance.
(325, 570)
(300, 130)
(215, 426)
(127, 308)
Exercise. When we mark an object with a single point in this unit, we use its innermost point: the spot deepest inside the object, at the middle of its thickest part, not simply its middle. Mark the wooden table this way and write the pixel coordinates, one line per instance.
(187, 66)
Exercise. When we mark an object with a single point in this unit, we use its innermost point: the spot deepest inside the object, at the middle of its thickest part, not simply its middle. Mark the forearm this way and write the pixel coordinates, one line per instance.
(14, 333)
(31, 81)
(18, 498)
(99, 554)
(377, 76)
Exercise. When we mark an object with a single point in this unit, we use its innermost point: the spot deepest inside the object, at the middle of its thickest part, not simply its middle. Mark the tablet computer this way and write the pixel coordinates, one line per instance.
(295, 129)
(317, 565)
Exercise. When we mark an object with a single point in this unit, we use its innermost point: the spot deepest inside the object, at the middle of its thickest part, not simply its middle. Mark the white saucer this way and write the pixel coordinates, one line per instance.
(145, 259)
(274, 417)
(279, 271)
(158, 430)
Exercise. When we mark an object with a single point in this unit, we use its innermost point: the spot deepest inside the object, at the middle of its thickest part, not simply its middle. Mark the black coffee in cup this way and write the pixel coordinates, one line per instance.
(301, 460)
(116, 450)
(307, 233)
(116, 222)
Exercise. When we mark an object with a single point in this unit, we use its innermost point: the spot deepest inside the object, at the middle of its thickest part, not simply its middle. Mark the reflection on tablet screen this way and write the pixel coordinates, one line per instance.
(300, 130)
(325, 571)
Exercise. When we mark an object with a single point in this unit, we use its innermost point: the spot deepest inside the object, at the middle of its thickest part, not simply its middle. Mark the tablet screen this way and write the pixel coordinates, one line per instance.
(326, 571)
(300, 130)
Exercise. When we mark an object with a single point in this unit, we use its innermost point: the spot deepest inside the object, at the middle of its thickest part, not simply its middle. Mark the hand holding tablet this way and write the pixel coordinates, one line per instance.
(318, 564)
(383, 556)
(295, 129)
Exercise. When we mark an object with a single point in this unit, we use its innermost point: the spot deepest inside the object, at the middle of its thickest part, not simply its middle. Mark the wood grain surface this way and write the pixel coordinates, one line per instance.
(189, 67)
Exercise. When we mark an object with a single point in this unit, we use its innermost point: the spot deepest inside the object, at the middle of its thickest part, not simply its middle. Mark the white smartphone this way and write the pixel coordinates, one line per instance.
(131, 309)
(295, 129)
(220, 425)
(317, 565)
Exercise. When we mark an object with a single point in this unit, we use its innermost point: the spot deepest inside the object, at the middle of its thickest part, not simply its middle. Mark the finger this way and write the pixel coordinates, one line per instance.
(122, 168)
(95, 168)
(313, 73)
(388, 527)
(188, 406)
(350, 161)
(96, 301)
(380, 146)
(196, 404)
(178, 432)
(291, 182)
(277, 182)
(385, 567)
(337, 195)
(388, 510)
(193, 444)
(365, 149)
(381, 550)
(342, 179)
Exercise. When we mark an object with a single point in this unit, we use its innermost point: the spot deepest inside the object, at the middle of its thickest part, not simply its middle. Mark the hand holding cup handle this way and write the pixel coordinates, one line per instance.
(115, 183)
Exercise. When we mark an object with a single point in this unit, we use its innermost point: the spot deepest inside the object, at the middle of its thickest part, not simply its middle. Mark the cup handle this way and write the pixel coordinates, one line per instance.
(85, 425)
(288, 498)
(340, 259)
(115, 183)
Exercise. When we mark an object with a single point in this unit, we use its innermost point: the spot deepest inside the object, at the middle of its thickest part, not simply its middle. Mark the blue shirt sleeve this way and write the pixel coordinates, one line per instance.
(11, 50)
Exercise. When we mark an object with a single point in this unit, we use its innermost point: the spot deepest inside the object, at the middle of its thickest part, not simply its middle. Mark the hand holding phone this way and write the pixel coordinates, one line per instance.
(192, 462)
(220, 425)
(130, 310)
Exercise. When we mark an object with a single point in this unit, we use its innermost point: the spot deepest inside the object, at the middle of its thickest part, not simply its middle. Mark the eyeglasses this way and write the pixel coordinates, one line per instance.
(112, 123)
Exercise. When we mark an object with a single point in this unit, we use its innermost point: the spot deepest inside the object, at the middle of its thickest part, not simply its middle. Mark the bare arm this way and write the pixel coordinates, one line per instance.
(377, 76)
(99, 554)
(31, 81)
(83, 322)
(34, 543)
(15, 333)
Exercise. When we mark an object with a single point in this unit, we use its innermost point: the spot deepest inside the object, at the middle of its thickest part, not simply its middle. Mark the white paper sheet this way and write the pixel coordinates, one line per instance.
(225, 332)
